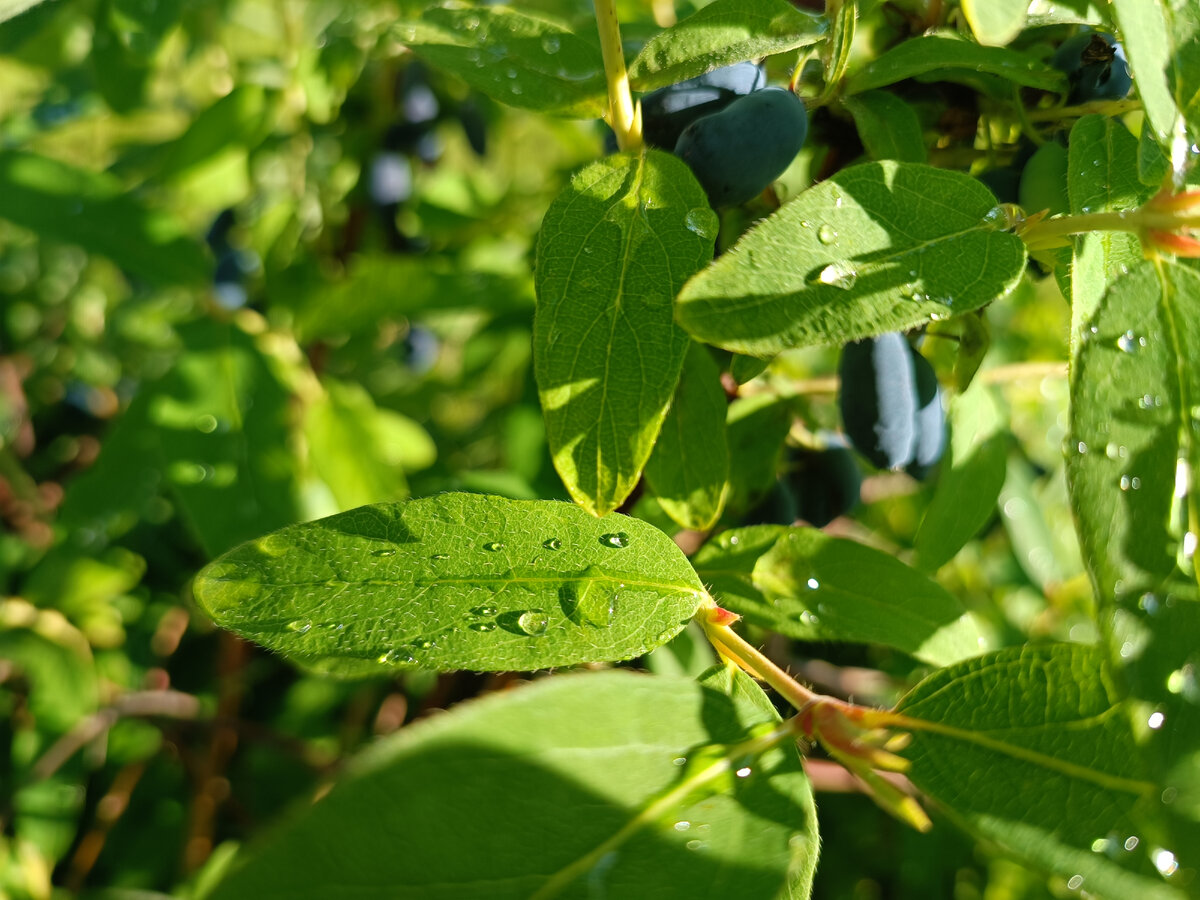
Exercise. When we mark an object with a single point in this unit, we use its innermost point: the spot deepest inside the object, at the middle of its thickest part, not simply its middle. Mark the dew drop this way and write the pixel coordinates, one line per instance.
(744, 772)
(1130, 342)
(827, 234)
(551, 43)
(702, 222)
(206, 424)
(839, 275)
(597, 604)
(300, 626)
(482, 626)
(552, 544)
(679, 761)
(440, 556)
(396, 658)
(493, 546)
(1155, 721)
(386, 552)
(813, 584)
(616, 539)
(1131, 843)
(533, 622)
(696, 845)
(484, 610)
(1075, 883)
(682, 825)
(1165, 862)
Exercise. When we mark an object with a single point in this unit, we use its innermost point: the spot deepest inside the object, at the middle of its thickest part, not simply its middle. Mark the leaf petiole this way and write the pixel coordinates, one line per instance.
(623, 116)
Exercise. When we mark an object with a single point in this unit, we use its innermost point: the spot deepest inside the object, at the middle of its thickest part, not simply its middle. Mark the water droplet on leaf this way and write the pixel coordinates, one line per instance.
(827, 234)
(838, 275)
(533, 622)
(617, 539)
(300, 626)
(493, 546)
(702, 222)
(552, 544)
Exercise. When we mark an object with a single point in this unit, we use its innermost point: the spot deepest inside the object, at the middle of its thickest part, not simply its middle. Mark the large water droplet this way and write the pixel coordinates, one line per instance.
(1130, 342)
(551, 43)
(839, 275)
(702, 222)
(827, 234)
(597, 604)
(533, 622)
(617, 539)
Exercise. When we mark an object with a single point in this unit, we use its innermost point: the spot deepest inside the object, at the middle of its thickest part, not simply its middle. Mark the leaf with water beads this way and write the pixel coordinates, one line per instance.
(455, 581)
(878, 247)
(579, 772)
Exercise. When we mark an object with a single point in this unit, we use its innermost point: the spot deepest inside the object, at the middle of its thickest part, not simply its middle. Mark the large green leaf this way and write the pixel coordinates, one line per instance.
(455, 581)
(1030, 748)
(614, 249)
(557, 790)
(967, 488)
(512, 57)
(689, 467)
(756, 428)
(720, 34)
(1147, 43)
(1131, 463)
(94, 210)
(824, 588)
(878, 247)
(943, 55)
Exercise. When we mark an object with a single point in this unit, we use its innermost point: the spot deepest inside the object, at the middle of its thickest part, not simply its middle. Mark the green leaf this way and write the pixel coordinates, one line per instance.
(689, 467)
(720, 34)
(455, 581)
(10, 8)
(95, 211)
(747, 368)
(1134, 392)
(965, 496)
(945, 55)
(1102, 176)
(223, 422)
(995, 22)
(382, 287)
(359, 450)
(1147, 43)
(887, 126)
(574, 769)
(512, 57)
(1029, 748)
(1183, 69)
(878, 247)
(726, 566)
(614, 249)
(756, 428)
(825, 588)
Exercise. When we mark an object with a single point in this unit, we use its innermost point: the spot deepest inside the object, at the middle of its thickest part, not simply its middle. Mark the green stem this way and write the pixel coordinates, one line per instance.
(750, 658)
(1097, 107)
(664, 804)
(622, 116)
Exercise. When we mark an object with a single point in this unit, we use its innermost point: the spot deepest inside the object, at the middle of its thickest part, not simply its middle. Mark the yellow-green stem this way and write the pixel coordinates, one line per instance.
(756, 663)
(622, 115)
